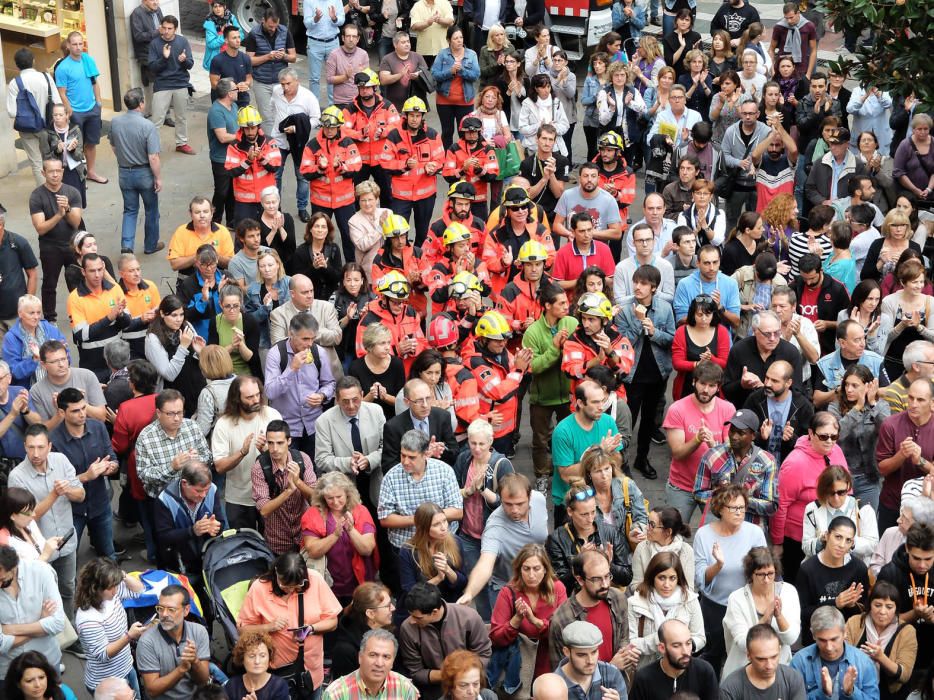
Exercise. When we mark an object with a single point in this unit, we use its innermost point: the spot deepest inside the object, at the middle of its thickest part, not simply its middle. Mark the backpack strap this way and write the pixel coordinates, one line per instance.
(284, 355)
(265, 463)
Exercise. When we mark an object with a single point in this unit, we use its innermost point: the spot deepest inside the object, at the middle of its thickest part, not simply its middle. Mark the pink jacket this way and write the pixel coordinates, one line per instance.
(797, 486)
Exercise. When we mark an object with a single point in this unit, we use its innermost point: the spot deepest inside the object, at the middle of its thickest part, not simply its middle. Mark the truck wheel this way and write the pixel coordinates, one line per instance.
(250, 12)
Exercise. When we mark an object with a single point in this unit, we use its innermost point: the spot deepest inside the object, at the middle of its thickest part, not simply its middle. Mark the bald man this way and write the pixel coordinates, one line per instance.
(549, 686)
(784, 412)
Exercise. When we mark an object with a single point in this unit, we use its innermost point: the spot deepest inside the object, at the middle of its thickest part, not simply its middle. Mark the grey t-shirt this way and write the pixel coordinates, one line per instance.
(603, 209)
(40, 396)
(157, 653)
(504, 537)
(788, 685)
(243, 268)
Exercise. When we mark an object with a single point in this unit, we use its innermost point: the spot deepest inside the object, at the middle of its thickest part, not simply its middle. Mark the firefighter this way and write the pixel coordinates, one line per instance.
(596, 342)
(391, 308)
(413, 156)
(472, 159)
(399, 255)
(458, 258)
(368, 121)
(503, 243)
(499, 376)
(444, 336)
(617, 178)
(329, 162)
(252, 161)
(537, 212)
(518, 302)
(458, 208)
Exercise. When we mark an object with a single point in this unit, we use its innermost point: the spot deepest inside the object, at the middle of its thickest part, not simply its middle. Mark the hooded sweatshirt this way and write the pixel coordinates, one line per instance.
(899, 574)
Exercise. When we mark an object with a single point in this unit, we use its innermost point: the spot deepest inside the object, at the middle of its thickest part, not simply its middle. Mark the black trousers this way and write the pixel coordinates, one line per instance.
(887, 517)
(341, 217)
(223, 199)
(423, 211)
(714, 651)
(643, 399)
(54, 259)
(450, 117)
(792, 556)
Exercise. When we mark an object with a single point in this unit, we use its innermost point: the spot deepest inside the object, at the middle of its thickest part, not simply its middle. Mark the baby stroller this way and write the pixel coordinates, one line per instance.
(230, 562)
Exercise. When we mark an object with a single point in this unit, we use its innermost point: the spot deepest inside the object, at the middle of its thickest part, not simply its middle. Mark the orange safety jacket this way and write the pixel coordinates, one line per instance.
(538, 214)
(331, 187)
(519, 301)
(624, 180)
(479, 176)
(249, 179)
(425, 146)
(495, 249)
(433, 246)
(438, 278)
(408, 324)
(466, 395)
(369, 128)
(412, 262)
(498, 385)
(579, 349)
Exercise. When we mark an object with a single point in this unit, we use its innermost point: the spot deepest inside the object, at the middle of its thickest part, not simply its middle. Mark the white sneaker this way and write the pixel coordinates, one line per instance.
(543, 485)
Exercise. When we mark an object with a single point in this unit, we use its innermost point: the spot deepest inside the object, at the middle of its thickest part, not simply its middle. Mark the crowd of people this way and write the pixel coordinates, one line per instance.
(357, 396)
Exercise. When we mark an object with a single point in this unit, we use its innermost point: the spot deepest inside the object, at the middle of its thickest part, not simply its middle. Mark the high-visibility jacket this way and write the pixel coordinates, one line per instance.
(138, 302)
(425, 146)
(494, 249)
(412, 262)
(438, 277)
(369, 128)
(249, 179)
(332, 187)
(579, 349)
(465, 393)
(480, 175)
(519, 301)
(408, 324)
(498, 382)
(90, 327)
(624, 180)
(538, 214)
(433, 247)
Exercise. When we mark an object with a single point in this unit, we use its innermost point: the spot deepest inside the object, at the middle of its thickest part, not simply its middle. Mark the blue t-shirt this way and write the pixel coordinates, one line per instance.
(220, 117)
(236, 67)
(75, 77)
(11, 443)
(568, 443)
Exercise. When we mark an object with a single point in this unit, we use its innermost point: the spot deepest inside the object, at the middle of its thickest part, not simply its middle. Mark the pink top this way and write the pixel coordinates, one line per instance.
(684, 415)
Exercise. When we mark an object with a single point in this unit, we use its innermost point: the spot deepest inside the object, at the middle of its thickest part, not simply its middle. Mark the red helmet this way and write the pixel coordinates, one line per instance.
(442, 332)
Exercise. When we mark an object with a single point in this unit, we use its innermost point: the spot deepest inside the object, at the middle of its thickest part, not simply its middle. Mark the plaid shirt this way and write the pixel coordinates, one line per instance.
(401, 494)
(352, 687)
(282, 527)
(757, 474)
(155, 451)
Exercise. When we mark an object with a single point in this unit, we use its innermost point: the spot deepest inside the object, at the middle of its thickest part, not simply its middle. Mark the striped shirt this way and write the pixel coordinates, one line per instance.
(401, 494)
(99, 628)
(352, 687)
(798, 248)
(282, 527)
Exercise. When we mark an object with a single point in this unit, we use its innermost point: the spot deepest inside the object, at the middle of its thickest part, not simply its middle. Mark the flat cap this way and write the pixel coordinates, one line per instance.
(582, 635)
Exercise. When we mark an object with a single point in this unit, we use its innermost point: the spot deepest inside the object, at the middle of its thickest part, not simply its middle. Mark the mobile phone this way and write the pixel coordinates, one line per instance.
(152, 620)
(65, 539)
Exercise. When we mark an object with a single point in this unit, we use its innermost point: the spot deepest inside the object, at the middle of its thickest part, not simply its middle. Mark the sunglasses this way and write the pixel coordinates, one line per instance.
(840, 492)
(827, 437)
(584, 495)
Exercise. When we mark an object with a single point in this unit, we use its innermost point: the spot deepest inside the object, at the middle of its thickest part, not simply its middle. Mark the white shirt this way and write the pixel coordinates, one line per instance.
(227, 439)
(490, 13)
(304, 102)
(859, 247)
(35, 82)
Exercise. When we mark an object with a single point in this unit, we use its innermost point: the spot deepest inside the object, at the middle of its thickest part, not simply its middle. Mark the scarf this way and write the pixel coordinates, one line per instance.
(662, 607)
(710, 217)
(883, 637)
(220, 22)
(793, 38)
(29, 340)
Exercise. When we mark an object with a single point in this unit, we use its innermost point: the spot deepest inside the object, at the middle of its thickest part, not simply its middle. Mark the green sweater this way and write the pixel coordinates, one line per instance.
(550, 386)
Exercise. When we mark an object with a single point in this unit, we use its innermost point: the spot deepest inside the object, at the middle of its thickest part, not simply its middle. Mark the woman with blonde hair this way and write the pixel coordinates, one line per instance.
(620, 502)
(697, 82)
(596, 80)
(381, 373)
(217, 368)
(491, 55)
(338, 526)
(267, 293)
(276, 227)
(656, 95)
(366, 231)
(432, 555)
(883, 253)
(780, 221)
(645, 70)
(527, 603)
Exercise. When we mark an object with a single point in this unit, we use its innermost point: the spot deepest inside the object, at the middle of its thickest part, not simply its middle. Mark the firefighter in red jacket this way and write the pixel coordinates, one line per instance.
(457, 208)
(444, 336)
(458, 258)
(391, 308)
(518, 302)
(400, 255)
(252, 162)
(617, 178)
(503, 243)
(414, 156)
(596, 342)
(499, 376)
(472, 159)
(368, 121)
(329, 162)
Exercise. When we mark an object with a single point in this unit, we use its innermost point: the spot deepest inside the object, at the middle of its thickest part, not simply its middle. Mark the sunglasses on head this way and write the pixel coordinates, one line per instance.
(584, 495)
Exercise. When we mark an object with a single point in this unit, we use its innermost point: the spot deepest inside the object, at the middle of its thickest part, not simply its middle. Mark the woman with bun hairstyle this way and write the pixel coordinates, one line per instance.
(666, 532)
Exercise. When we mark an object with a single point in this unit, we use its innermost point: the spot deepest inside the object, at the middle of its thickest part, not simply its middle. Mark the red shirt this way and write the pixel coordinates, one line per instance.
(808, 302)
(571, 262)
(599, 615)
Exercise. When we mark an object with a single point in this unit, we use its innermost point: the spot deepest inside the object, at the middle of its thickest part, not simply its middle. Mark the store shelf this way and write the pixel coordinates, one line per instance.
(40, 29)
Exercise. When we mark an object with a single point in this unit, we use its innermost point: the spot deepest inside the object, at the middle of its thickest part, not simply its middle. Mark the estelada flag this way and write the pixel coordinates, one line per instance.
(156, 580)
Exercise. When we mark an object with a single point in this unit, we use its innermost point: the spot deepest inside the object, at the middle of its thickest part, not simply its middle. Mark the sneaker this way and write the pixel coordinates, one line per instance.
(119, 551)
(159, 246)
(126, 250)
(658, 437)
(543, 485)
(186, 149)
(77, 650)
(169, 122)
(656, 21)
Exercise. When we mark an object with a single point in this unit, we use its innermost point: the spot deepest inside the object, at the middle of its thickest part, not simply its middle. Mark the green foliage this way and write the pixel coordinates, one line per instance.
(899, 59)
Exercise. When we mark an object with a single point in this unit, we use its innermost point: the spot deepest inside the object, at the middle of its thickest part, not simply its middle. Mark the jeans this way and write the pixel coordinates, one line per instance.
(66, 568)
(53, 258)
(247, 210)
(867, 491)
(385, 48)
(178, 100)
(223, 198)
(654, 9)
(471, 550)
(800, 181)
(423, 211)
(540, 420)
(683, 501)
(136, 183)
(101, 531)
(317, 54)
(341, 217)
(301, 184)
(668, 24)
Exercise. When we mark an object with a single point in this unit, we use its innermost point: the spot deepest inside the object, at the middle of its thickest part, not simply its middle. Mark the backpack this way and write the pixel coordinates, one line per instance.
(28, 118)
(265, 463)
(284, 355)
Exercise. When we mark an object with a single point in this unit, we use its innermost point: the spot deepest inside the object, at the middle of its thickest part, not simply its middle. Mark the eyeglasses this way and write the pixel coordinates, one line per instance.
(166, 610)
(638, 241)
(390, 604)
(231, 307)
(768, 334)
(766, 575)
(827, 437)
(840, 492)
(584, 495)
(735, 509)
(291, 587)
(173, 414)
(598, 579)
(422, 402)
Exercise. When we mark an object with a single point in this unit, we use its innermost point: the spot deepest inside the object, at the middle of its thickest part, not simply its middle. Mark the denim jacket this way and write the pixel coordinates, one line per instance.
(662, 316)
(808, 663)
(470, 72)
(258, 310)
(831, 366)
(636, 22)
(592, 88)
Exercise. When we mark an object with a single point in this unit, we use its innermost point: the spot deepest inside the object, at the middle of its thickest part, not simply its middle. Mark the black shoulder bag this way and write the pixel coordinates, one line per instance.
(726, 177)
(301, 687)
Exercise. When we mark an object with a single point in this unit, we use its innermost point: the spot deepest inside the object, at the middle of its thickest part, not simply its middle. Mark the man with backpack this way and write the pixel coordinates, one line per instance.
(282, 488)
(29, 97)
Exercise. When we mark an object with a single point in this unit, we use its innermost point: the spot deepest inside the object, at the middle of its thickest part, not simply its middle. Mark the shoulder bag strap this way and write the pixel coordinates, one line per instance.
(299, 663)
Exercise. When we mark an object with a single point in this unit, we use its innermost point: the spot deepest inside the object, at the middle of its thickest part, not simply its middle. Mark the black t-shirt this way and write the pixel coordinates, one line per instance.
(734, 19)
(16, 256)
(236, 67)
(42, 200)
(531, 170)
(652, 683)
(392, 380)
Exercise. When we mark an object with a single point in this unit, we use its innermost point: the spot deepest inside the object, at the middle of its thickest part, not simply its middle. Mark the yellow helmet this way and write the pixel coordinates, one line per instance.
(611, 140)
(394, 285)
(415, 104)
(595, 304)
(249, 116)
(395, 225)
(493, 326)
(332, 116)
(455, 233)
(366, 78)
(532, 251)
(464, 283)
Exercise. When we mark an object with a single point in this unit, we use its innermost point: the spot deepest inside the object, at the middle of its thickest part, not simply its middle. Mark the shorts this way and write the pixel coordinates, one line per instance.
(90, 123)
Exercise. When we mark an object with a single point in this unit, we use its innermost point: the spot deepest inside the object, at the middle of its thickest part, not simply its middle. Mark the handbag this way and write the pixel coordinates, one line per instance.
(301, 687)
(725, 179)
(67, 636)
(509, 159)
